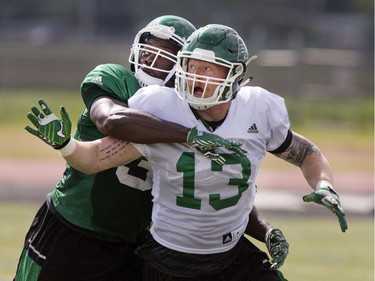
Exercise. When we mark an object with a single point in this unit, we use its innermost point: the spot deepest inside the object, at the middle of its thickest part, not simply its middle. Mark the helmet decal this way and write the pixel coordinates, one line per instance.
(243, 54)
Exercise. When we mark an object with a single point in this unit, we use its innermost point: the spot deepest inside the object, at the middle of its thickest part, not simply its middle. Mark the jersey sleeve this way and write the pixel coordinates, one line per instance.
(278, 121)
(111, 80)
(142, 149)
(152, 99)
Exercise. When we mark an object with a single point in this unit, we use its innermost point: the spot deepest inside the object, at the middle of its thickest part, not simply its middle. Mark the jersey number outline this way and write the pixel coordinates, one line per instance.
(186, 165)
(137, 174)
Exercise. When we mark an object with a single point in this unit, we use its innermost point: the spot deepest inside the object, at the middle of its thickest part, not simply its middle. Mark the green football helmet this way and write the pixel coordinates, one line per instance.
(218, 44)
(172, 28)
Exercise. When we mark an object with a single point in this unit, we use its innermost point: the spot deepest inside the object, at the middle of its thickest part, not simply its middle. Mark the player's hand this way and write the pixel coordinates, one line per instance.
(53, 131)
(207, 142)
(326, 196)
(277, 246)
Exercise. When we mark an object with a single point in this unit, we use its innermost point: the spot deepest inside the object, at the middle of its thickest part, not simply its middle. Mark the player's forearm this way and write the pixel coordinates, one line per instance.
(140, 127)
(95, 156)
(257, 226)
(315, 168)
(82, 156)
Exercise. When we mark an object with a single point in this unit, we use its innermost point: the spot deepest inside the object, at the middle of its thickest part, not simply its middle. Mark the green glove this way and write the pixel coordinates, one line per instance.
(277, 246)
(326, 196)
(53, 131)
(207, 142)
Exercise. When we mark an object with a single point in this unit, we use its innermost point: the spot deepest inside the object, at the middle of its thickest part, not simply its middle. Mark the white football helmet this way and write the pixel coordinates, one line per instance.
(169, 27)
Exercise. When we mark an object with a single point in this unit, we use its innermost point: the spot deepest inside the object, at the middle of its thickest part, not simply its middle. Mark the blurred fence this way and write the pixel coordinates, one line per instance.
(306, 72)
(53, 67)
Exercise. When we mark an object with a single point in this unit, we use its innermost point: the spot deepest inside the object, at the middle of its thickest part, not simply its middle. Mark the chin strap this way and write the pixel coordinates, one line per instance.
(244, 82)
(250, 60)
(145, 80)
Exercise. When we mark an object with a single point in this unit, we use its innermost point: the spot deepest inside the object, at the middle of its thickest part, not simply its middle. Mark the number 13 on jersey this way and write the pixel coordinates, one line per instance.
(186, 165)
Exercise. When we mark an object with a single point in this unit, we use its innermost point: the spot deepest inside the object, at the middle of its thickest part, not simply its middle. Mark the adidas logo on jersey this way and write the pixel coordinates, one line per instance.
(97, 80)
(253, 129)
(227, 238)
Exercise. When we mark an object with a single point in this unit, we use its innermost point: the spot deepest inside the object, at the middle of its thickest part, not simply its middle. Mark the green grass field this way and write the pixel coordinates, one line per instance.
(318, 250)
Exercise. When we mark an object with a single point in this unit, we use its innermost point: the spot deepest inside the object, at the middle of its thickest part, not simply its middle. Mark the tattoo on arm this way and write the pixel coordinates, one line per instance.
(112, 149)
(298, 150)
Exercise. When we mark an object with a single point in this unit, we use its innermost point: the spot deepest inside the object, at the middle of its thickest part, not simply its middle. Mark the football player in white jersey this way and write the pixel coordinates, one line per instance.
(201, 207)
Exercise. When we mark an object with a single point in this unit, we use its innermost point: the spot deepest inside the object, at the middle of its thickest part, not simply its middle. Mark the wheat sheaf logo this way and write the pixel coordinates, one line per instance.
(242, 50)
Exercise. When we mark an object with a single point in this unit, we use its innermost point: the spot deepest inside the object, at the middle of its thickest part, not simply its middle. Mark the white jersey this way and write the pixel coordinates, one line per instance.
(200, 206)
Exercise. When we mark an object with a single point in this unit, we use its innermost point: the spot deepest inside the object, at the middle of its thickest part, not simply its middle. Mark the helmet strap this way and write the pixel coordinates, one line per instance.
(145, 80)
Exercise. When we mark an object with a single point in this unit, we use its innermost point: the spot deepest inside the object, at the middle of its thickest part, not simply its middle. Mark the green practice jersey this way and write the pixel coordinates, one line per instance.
(115, 203)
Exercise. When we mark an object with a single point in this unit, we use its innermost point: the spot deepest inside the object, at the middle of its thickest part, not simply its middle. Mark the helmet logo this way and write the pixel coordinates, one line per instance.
(162, 31)
(199, 53)
(242, 51)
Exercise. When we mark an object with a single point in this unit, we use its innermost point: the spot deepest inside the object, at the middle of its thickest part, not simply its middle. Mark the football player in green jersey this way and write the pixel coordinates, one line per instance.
(90, 224)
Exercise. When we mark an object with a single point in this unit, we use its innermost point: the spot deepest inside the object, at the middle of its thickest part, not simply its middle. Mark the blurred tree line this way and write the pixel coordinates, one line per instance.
(304, 47)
